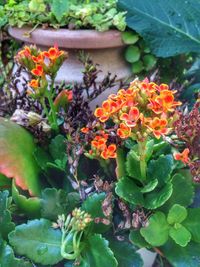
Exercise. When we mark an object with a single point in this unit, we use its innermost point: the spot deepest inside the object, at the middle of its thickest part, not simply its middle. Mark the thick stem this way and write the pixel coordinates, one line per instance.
(52, 107)
(143, 164)
(45, 109)
(121, 159)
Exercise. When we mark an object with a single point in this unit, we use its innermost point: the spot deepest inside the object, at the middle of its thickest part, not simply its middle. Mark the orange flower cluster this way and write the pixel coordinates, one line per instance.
(143, 109)
(40, 64)
(99, 147)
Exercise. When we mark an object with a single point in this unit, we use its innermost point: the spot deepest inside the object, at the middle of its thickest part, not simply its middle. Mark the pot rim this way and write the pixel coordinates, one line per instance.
(70, 39)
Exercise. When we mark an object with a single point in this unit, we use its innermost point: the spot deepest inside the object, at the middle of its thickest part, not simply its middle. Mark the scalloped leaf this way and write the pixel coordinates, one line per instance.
(180, 235)
(178, 256)
(125, 253)
(38, 241)
(157, 231)
(30, 206)
(129, 191)
(93, 205)
(177, 214)
(177, 197)
(161, 168)
(7, 257)
(158, 197)
(16, 156)
(97, 253)
(165, 24)
(192, 223)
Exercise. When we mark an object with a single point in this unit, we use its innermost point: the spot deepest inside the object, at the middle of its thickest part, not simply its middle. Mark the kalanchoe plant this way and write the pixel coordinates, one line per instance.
(43, 64)
(107, 189)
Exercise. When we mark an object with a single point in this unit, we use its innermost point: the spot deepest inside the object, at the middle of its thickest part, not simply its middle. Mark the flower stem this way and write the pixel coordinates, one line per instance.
(143, 164)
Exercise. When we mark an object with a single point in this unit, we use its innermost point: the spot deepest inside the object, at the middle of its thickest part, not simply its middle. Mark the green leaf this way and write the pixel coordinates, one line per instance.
(158, 197)
(56, 202)
(59, 8)
(149, 149)
(182, 256)
(150, 186)
(130, 37)
(57, 148)
(161, 168)
(31, 206)
(37, 6)
(97, 253)
(137, 67)
(149, 62)
(129, 191)
(177, 197)
(132, 54)
(177, 214)
(93, 205)
(137, 239)
(125, 253)
(157, 232)
(162, 24)
(16, 156)
(192, 223)
(133, 165)
(180, 235)
(7, 257)
(38, 241)
(6, 224)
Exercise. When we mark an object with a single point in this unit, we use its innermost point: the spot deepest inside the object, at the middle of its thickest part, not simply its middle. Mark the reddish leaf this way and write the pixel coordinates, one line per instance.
(16, 156)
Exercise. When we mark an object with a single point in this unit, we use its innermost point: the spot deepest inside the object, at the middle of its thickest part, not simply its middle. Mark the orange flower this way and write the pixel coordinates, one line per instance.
(158, 127)
(38, 59)
(34, 83)
(182, 156)
(109, 152)
(26, 52)
(53, 53)
(131, 118)
(103, 113)
(123, 131)
(166, 100)
(99, 142)
(38, 71)
(85, 130)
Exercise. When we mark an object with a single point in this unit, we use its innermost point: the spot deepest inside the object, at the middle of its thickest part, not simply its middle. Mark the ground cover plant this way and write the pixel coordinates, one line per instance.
(89, 188)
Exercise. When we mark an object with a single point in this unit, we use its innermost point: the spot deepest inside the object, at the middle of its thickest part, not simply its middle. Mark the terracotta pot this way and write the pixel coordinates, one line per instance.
(105, 48)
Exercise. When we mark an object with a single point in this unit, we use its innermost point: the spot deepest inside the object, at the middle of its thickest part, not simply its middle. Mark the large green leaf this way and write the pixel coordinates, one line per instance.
(93, 205)
(178, 256)
(97, 253)
(38, 241)
(6, 224)
(192, 223)
(157, 232)
(16, 156)
(5, 183)
(58, 8)
(158, 197)
(169, 27)
(56, 202)
(7, 257)
(161, 168)
(129, 191)
(125, 253)
(180, 184)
